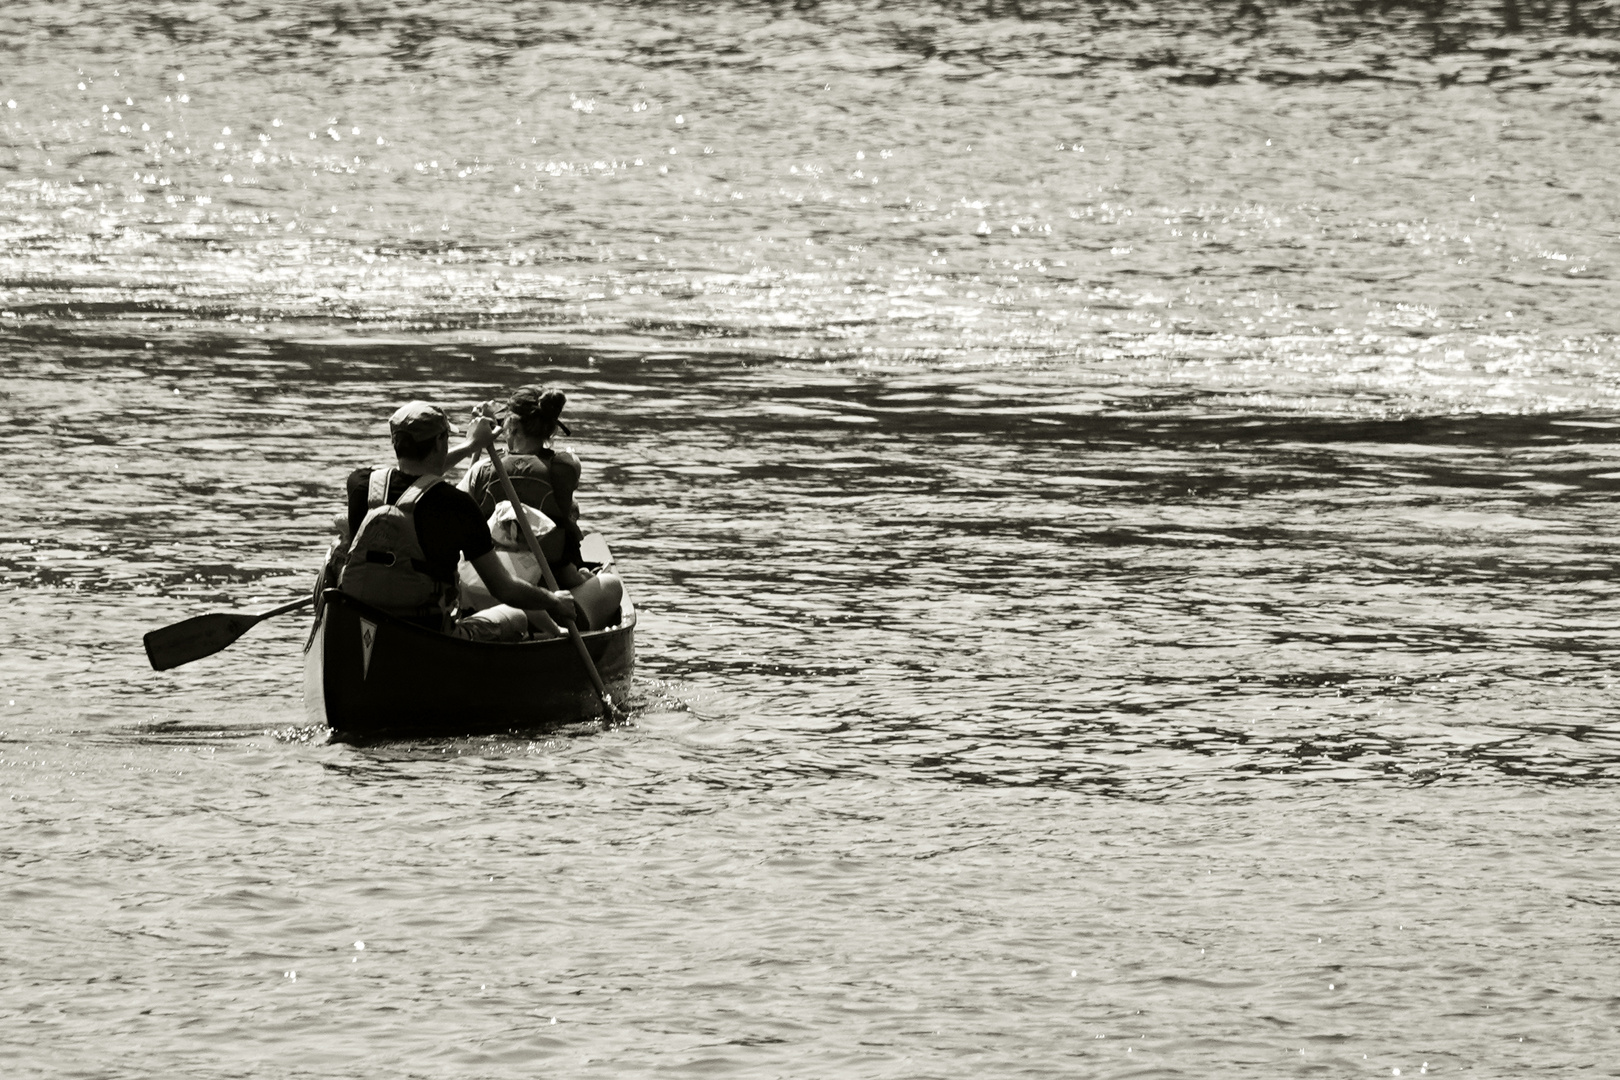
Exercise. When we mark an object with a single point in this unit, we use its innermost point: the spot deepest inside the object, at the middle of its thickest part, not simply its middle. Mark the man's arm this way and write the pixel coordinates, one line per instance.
(476, 482)
(480, 436)
(466, 482)
(520, 594)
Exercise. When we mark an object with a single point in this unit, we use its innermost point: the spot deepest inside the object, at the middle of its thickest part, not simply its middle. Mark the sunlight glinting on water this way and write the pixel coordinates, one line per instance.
(1119, 504)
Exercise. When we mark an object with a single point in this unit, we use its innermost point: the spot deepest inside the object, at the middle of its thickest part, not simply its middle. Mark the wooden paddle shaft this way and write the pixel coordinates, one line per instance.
(550, 579)
(284, 608)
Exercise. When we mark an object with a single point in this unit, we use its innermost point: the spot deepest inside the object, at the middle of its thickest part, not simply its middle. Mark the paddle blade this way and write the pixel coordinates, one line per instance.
(197, 637)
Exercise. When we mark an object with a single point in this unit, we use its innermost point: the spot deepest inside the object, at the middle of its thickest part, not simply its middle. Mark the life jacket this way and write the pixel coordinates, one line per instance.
(385, 566)
(546, 482)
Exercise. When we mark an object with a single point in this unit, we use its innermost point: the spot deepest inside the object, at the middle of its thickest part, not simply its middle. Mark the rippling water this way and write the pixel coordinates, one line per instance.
(1120, 505)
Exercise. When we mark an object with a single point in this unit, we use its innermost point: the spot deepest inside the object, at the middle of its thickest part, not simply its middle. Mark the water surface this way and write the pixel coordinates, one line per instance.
(1119, 506)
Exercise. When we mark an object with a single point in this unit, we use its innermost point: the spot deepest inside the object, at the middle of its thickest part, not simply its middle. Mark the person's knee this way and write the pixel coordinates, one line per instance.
(599, 598)
(612, 587)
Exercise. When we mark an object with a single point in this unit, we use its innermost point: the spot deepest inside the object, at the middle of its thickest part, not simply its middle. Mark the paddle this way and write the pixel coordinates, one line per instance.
(205, 635)
(551, 581)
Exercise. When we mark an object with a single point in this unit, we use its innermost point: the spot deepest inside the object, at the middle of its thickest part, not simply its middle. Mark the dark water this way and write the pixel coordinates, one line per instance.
(1119, 501)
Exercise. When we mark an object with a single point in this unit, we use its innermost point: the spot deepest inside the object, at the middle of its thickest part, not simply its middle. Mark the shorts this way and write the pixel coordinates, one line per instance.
(503, 622)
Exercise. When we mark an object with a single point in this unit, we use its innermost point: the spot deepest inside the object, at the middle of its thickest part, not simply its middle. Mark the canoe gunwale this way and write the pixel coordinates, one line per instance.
(328, 596)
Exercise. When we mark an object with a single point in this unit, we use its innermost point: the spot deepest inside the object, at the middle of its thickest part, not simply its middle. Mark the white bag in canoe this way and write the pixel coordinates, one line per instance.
(510, 550)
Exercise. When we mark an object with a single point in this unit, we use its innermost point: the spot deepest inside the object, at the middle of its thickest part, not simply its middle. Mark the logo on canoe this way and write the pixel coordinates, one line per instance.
(368, 638)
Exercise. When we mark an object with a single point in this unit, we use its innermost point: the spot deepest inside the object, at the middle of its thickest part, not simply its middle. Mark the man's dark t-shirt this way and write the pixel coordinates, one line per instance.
(448, 522)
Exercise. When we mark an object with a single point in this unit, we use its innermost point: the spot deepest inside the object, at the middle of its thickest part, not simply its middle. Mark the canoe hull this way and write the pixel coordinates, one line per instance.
(370, 675)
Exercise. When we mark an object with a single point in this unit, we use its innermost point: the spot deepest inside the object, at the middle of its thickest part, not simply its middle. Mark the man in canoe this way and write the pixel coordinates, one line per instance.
(409, 528)
(546, 479)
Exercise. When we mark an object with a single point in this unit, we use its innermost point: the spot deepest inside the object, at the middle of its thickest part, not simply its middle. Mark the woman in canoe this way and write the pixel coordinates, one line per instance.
(546, 479)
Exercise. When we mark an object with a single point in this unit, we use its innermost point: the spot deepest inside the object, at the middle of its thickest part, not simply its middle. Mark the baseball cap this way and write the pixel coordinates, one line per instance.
(420, 421)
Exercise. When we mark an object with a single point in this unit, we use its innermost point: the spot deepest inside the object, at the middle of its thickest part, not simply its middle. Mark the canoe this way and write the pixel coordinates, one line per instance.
(370, 675)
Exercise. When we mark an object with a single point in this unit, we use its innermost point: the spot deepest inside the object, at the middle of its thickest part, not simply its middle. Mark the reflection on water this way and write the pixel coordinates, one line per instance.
(1026, 576)
(842, 175)
(1118, 503)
